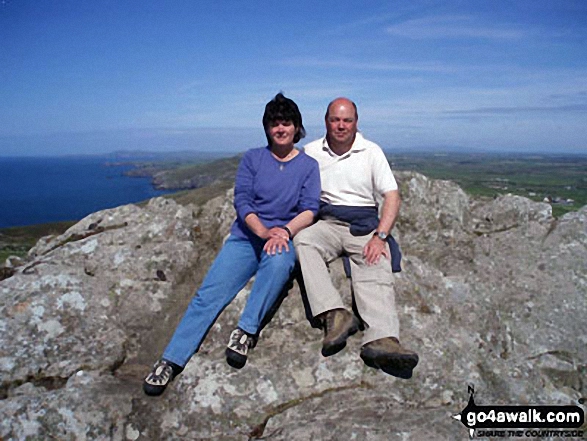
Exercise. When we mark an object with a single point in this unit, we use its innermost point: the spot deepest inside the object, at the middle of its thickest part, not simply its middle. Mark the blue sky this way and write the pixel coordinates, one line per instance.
(97, 76)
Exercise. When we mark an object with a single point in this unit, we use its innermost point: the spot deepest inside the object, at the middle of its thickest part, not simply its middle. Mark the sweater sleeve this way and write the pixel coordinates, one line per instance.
(244, 187)
(310, 191)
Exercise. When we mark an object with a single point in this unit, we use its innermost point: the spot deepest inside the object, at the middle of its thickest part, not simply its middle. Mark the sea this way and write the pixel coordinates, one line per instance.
(35, 190)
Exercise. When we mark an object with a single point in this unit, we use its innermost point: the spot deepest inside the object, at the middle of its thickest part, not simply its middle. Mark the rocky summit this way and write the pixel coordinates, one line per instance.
(493, 294)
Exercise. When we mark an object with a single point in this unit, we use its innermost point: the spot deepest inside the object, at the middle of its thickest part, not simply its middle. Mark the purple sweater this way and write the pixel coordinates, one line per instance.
(275, 191)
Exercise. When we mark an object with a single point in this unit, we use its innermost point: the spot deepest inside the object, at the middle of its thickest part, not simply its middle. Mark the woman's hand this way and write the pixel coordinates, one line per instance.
(276, 245)
(277, 232)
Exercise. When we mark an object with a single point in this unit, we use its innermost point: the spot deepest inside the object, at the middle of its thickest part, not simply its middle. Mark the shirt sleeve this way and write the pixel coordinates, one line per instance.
(244, 194)
(310, 192)
(383, 179)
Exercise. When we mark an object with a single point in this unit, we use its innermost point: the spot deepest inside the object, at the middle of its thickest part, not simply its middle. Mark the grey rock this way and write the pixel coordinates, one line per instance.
(492, 293)
(13, 261)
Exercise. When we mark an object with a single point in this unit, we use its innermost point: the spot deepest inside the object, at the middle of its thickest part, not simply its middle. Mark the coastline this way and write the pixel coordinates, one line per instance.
(41, 190)
(178, 175)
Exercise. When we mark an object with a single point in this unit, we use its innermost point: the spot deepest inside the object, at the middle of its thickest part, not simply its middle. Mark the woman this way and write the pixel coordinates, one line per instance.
(276, 194)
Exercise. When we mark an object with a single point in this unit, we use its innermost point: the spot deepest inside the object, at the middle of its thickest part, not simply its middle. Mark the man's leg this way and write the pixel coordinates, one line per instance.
(373, 290)
(375, 300)
(317, 246)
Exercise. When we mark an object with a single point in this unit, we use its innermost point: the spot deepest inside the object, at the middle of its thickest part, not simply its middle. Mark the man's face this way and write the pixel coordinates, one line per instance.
(341, 124)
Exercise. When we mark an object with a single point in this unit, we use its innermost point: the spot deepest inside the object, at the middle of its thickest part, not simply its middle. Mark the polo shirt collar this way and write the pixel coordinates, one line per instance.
(358, 146)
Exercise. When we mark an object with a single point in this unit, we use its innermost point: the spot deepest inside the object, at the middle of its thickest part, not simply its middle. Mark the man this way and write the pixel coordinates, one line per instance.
(354, 173)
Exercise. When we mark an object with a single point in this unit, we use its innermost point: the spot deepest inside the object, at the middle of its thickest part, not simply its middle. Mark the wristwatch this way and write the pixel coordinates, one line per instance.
(381, 235)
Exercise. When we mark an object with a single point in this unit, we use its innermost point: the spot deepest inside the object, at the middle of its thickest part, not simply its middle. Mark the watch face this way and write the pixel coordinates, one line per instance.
(382, 235)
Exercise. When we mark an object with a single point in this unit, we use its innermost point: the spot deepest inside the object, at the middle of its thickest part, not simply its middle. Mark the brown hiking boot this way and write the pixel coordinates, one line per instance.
(388, 355)
(339, 324)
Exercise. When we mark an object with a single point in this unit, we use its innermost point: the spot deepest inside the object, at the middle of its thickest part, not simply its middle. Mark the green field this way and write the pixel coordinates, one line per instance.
(561, 178)
(16, 241)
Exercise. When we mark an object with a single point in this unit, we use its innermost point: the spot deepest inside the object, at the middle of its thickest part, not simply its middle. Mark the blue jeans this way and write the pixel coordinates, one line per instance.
(238, 261)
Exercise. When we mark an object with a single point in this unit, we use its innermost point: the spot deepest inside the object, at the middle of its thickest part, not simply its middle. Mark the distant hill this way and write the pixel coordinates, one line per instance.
(146, 155)
(181, 176)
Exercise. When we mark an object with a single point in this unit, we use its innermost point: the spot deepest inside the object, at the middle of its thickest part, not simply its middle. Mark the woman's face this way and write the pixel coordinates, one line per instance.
(282, 133)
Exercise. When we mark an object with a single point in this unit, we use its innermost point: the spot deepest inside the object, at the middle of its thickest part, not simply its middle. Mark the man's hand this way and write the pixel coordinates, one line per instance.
(276, 244)
(374, 249)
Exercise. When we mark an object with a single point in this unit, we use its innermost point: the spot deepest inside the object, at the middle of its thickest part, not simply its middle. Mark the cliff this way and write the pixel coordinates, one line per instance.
(178, 176)
(493, 293)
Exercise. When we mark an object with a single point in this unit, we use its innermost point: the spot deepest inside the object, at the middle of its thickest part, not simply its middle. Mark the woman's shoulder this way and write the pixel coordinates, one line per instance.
(257, 151)
(255, 156)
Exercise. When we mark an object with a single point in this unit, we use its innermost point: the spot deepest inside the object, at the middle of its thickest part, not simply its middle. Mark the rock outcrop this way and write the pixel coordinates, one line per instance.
(492, 293)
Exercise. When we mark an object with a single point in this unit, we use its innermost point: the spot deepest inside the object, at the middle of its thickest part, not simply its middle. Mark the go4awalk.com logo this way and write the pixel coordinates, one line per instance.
(522, 421)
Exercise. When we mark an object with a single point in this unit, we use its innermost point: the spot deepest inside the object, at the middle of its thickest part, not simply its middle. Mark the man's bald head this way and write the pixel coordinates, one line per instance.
(341, 125)
(342, 101)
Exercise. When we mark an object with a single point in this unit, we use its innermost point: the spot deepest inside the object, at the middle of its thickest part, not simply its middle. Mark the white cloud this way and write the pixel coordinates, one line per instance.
(370, 66)
(452, 26)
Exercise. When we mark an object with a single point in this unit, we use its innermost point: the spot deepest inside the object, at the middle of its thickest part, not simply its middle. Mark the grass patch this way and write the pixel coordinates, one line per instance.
(202, 195)
(560, 178)
(17, 241)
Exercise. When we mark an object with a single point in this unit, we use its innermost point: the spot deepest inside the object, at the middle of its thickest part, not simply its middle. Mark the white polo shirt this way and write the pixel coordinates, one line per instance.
(358, 178)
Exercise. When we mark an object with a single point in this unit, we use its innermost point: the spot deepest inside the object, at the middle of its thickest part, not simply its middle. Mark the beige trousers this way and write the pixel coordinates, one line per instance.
(325, 241)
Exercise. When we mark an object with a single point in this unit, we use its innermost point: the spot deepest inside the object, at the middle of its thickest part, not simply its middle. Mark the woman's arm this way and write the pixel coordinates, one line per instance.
(309, 201)
(256, 226)
(301, 221)
(278, 238)
(244, 193)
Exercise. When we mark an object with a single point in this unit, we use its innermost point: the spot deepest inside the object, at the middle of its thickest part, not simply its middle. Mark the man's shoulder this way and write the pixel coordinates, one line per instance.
(365, 144)
(314, 146)
(307, 160)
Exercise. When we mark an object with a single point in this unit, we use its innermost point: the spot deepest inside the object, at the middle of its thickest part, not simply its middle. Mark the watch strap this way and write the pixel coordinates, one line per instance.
(283, 227)
(381, 235)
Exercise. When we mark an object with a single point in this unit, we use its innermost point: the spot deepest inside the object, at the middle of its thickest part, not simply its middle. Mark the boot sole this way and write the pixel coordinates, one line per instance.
(339, 344)
(397, 365)
(153, 391)
(235, 359)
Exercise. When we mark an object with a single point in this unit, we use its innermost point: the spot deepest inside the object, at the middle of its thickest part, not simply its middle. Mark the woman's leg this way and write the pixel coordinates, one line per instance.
(273, 273)
(233, 267)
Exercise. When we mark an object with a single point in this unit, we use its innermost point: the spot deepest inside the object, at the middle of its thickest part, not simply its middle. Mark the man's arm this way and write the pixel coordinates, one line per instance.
(376, 247)
(390, 211)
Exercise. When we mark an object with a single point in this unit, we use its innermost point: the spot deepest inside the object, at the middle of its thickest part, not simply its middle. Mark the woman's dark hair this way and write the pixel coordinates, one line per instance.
(281, 108)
